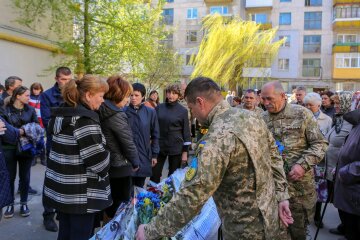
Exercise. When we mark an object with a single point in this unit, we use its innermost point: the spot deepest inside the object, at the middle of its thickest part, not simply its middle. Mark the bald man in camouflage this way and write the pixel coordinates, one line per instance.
(296, 130)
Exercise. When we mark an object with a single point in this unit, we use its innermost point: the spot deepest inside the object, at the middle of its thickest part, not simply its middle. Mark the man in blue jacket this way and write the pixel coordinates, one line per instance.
(49, 99)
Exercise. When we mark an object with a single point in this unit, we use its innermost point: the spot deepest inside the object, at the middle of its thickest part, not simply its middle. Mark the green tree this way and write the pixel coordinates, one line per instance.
(98, 36)
(160, 69)
(231, 47)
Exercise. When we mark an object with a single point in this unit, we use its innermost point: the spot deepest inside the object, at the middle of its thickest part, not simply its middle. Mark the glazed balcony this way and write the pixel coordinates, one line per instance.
(335, 2)
(218, 1)
(258, 4)
(346, 47)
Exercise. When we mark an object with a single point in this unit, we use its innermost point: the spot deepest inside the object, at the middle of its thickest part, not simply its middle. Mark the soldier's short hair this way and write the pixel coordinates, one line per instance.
(250, 91)
(301, 88)
(201, 86)
(278, 88)
(312, 98)
(10, 81)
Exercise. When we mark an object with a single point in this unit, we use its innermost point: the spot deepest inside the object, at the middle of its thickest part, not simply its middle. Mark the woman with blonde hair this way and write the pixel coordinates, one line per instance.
(76, 178)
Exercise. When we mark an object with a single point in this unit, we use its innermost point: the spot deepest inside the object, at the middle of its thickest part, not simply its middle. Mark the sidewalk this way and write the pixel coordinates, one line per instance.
(20, 228)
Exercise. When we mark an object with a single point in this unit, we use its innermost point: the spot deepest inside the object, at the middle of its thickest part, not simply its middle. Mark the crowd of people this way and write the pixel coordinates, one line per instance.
(269, 161)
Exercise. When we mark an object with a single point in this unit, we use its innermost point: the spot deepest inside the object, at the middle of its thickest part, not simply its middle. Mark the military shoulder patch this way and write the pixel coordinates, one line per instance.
(191, 172)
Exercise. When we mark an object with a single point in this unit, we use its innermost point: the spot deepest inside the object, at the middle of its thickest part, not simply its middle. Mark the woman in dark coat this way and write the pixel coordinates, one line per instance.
(18, 113)
(9, 135)
(175, 137)
(124, 157)
(347, 182)
(145, 128)
(76, 179)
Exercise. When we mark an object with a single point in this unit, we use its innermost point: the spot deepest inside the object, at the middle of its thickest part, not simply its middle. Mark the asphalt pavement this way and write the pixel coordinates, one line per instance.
(31, 228)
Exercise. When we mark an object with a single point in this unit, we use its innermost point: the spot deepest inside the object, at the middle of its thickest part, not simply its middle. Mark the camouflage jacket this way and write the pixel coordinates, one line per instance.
(295, 127)
(238, 164)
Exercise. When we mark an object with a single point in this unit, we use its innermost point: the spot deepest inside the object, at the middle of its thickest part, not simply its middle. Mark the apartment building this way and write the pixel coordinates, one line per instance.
(346, 44)
(322, 38)
(24, 52)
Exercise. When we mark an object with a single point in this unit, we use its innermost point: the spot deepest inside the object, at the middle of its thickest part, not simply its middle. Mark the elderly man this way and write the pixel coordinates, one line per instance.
(296, 130)
(250, 102)
(237, 163)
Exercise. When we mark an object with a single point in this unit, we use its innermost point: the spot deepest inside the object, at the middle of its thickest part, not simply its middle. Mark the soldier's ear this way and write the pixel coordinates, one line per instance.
(200, 101)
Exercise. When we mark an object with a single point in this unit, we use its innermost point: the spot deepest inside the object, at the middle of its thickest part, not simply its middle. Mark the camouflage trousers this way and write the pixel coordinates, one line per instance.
(303, 210)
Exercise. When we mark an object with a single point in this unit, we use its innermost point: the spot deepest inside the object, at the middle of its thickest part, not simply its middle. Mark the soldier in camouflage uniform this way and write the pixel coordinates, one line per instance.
(237, 163)
(296, 130)
(250, 102)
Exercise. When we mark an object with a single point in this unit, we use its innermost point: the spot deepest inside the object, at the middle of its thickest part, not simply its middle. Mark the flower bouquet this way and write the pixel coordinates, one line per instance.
(147, 204)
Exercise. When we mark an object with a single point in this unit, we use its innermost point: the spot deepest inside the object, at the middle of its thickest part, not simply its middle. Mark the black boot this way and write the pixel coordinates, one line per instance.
(317, 218)
(50, 224)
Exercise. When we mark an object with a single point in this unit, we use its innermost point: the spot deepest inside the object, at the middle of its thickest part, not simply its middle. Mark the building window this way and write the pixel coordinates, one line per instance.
(285, 0)
(312, 44)
(188, 59)
(311, 67)
(285, 19)
(259, 18)
(346, 38)
(347, 11)
(191, 36)
(192, 13)
(313, 2)
(222, 10)
(283, 64)
(168, 16)
(287, 41)
(347, 60)
(312, 20)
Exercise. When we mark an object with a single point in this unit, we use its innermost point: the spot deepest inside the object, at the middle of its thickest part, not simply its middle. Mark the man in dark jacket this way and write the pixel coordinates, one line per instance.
(347, 183)
(145, 129)
(49, 99)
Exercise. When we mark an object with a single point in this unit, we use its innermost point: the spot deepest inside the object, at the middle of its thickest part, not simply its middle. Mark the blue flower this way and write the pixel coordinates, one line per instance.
(280, 146)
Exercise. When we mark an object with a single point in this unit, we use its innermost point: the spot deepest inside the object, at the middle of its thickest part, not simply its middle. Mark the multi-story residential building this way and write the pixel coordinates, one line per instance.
(346, 44)
(24, 52)
(322, 38)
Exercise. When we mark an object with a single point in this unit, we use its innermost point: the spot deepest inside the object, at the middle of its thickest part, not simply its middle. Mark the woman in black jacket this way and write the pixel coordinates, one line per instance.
(175, 137)
(124, 158)
(18, 113)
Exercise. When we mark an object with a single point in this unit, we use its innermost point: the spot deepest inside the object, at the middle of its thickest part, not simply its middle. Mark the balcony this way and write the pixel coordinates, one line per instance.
(346, 73)
(265, 26)
(346, 23)
(218, 1)
(345, 1)
(346, 47)
(258, 4)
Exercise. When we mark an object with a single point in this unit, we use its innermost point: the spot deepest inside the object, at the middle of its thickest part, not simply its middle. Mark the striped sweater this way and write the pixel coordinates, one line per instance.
(76, 178)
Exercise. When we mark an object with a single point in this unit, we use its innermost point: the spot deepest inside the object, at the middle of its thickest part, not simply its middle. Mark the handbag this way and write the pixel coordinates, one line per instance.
(320, 184)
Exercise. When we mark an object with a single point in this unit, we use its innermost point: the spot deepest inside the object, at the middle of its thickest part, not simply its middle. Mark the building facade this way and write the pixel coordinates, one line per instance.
(322, 48)
(24, 52)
